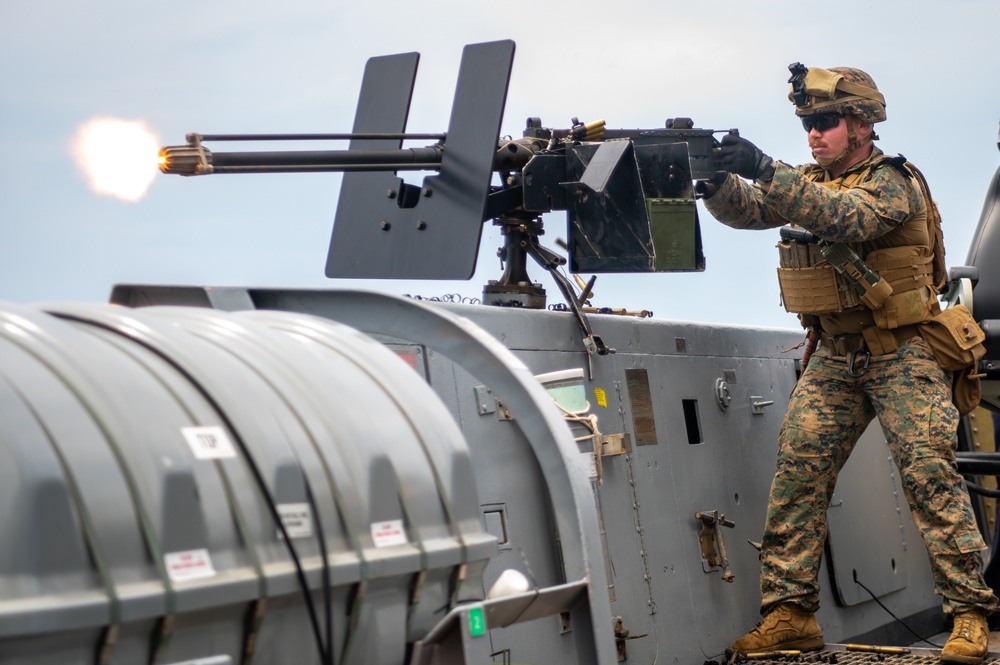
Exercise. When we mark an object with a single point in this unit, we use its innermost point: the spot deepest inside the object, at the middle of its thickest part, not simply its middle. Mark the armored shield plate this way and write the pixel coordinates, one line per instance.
(381, 233)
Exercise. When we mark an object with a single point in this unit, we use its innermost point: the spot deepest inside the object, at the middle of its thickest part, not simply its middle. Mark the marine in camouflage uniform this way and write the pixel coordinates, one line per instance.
(871, 202)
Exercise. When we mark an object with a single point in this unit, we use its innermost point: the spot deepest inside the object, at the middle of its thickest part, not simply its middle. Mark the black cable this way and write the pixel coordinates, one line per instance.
(327, 588)
(900, 621)
(984, 491)
(272, 506)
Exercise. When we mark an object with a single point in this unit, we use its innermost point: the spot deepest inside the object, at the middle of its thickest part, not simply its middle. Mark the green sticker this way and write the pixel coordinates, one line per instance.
(477, 622)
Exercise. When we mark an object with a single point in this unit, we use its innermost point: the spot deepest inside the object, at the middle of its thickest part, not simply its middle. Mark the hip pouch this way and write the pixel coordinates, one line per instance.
(957, 342)
(955, 338)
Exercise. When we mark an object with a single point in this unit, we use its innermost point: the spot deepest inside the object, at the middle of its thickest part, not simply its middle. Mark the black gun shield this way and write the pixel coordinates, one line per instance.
(630, 208)
(438, 237)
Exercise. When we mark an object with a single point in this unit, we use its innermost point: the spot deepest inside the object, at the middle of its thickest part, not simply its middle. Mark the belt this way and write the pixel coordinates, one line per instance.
(845, 345)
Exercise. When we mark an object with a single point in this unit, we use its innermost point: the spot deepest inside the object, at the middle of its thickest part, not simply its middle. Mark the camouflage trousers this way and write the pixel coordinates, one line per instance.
(828, 412)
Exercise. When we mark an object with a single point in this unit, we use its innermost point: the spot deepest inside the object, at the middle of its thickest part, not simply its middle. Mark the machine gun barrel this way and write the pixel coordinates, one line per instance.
(197, 160)
(198, 138)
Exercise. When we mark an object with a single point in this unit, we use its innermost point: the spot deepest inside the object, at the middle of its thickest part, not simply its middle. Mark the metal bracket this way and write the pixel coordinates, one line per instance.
(757, 404)
(487, 402)
(722, 395)
(613, 444)
(709, 537)
(621, 634)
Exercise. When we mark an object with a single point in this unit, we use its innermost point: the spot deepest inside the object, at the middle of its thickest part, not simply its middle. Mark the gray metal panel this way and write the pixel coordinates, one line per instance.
(651, 530)
(862, 543)
(984, 245)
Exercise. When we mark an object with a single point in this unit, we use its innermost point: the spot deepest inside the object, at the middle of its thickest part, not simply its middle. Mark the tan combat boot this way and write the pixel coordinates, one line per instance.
(786, 626)
(969, 641)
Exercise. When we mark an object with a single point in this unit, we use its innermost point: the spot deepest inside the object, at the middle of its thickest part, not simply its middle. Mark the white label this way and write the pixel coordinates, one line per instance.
(190, 565)
(297, 519)
(386, 534)
(209, 442)
(208, 660)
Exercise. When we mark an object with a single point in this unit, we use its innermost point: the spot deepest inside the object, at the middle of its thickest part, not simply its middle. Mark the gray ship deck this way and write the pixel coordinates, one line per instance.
(842, 654)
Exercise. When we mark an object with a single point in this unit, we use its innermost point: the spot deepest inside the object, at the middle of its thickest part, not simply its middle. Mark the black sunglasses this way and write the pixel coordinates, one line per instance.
(821, 121)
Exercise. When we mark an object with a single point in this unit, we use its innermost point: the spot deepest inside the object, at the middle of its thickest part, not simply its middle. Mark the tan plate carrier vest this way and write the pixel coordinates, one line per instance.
(910, 258)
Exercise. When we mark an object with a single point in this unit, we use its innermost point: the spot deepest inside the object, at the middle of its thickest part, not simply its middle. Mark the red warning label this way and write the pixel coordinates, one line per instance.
(190, 565)
(388, 533)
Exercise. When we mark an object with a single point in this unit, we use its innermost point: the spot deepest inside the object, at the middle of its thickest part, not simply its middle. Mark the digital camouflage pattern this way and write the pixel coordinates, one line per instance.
(829, 410)
(867, 110)
(874, 207)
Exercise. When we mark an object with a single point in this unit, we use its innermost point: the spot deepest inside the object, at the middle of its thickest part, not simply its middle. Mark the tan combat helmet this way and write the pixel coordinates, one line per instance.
(844, 90)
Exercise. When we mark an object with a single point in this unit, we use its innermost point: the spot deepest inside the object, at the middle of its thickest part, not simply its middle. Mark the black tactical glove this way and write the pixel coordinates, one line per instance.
(739, 156)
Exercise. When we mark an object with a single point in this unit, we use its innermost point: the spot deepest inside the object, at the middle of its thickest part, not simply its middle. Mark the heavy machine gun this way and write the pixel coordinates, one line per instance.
(627, 192)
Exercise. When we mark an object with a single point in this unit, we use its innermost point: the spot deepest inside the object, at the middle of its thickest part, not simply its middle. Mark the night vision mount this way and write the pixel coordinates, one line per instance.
(628, 193)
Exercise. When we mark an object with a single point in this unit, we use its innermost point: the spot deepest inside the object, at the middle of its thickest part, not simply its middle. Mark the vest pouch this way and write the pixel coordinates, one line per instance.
(955, 338)
(875, 295)
(906, 308)
(904, 267)
(786, 255)
(812, 290)
(798, 254)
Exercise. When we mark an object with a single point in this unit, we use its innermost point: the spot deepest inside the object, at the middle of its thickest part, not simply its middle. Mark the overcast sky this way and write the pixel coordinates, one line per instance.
(295, 66)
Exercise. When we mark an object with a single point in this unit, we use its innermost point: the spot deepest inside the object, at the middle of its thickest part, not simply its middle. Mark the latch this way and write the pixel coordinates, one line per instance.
(621, 634)
(713, 547)
(758, 403)
(722, 394)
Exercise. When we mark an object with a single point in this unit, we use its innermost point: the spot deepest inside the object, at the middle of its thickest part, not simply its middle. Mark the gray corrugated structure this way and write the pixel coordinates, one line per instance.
(173, 477)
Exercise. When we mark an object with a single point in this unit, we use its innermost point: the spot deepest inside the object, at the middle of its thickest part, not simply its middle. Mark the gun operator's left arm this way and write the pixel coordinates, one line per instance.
(741, 205)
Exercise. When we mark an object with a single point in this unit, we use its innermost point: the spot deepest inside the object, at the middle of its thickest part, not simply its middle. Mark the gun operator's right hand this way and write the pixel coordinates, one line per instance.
(739, 156)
